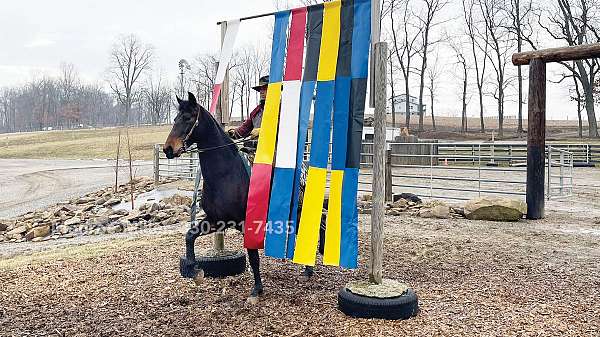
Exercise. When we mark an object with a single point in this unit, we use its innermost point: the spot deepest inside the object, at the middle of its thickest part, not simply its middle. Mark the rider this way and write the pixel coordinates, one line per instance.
(251, 126)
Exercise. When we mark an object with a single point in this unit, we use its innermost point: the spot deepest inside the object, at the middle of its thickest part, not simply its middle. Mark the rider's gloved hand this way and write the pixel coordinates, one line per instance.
(232, 134)
(255, 132)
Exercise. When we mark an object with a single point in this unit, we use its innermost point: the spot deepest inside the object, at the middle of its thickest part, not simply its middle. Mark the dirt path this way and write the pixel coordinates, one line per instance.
(29, 184)
(473, 278)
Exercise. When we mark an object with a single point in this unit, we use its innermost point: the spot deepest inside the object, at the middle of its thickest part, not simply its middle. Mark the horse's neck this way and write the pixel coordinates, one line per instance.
(216, 158)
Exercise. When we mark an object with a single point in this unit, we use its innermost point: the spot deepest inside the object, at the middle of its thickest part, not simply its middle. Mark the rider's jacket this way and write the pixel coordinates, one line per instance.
(254, 121)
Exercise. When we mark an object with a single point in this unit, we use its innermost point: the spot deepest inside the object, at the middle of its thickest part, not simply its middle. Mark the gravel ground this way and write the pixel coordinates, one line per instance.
(30, 184)
(472, 278)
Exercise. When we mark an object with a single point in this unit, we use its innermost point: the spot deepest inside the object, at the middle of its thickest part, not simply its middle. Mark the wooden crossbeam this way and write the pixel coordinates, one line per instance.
(558, 54)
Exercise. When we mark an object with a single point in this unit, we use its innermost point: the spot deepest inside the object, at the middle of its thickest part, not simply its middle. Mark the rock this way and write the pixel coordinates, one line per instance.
(68, 208)
(114, 217)
(38, 232)
(112, 201)
(441, 212)
(596, 221)
(3, 227)
(73, 221)
(161, 216)
(113, 229)
(84, 200)
(178, 200)
(155, 207)
(63, 229)
(98, 222)
(133, 215)
(401, 203)
(143, 207)
(366, 197)
(394, 212)
(407, 196)
(18, 230)
(495, 209)
(426, 213)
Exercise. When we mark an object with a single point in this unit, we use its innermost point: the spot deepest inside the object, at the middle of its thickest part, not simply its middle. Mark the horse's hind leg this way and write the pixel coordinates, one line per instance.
(254, 259)
(187, 264)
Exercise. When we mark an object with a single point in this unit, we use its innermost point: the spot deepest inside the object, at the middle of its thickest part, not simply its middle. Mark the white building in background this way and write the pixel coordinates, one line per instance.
(413, 104)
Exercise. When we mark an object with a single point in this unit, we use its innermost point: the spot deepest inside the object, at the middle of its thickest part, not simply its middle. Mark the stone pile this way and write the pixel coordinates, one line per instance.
(491, 209)
(94, 214)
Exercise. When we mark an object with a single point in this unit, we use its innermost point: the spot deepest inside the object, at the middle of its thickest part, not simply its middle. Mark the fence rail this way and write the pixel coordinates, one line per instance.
(459, 171)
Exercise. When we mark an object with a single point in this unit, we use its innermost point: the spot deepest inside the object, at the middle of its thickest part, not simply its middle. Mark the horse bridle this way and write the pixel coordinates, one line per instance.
(187, 137)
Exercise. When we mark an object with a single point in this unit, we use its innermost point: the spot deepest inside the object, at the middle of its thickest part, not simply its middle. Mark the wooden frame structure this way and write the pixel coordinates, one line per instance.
(536, 126)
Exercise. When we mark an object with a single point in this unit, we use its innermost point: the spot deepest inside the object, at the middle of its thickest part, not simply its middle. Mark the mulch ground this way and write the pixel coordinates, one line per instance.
(472, 278)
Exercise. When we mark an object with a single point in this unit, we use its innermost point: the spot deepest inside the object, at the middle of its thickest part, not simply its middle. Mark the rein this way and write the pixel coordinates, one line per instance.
(187, 137)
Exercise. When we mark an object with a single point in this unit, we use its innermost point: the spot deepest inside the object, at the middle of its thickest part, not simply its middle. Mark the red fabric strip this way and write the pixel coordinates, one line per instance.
(258, 204)
(295, 54)
(215, 98)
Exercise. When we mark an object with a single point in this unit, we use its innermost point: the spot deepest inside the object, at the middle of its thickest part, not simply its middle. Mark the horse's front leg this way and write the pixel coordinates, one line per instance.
(254, 259)
(187, 264)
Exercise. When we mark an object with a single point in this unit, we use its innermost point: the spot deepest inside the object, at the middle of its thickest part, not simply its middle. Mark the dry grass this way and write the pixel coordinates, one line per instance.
(81, 144)
(472, 279)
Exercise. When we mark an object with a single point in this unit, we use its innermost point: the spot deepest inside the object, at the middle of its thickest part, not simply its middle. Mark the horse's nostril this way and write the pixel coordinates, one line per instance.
(168, 151)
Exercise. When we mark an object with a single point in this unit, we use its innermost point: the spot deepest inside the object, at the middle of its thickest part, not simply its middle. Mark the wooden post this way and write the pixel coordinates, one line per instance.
(223, 118)
(389, 193)
(379, 155)
(536, 139)
(156, 164)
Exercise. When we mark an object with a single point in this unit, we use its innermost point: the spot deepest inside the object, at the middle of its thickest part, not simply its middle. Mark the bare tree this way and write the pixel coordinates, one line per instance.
(129, 60)
(428, 22)
(434, 72)
(406, 45)
(576, 23)
(461, 61)
(479, 41)
(501, 47)
(156, 99)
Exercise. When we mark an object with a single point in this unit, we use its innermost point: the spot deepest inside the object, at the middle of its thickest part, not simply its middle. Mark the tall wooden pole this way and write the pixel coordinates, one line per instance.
(536, 139)
(223, 117)
(375, 37)
(379, 157)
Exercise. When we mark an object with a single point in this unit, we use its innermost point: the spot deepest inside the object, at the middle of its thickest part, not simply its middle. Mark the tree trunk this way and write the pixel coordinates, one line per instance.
(464, 103)
(407, 103)
(432, 112)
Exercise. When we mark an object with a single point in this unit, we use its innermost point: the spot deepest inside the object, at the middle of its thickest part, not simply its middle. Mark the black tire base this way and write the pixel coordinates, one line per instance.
(222, 266)
(396, 308)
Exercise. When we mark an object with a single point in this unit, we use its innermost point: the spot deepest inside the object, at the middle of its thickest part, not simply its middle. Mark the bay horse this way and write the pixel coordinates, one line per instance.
(226, 181)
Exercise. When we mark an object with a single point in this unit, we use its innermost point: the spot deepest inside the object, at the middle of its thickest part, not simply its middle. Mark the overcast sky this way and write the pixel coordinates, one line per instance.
(36, 36)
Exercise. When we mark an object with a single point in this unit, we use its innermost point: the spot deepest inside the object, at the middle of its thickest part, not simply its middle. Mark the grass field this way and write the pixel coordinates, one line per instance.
(102, 143)
(82, 144)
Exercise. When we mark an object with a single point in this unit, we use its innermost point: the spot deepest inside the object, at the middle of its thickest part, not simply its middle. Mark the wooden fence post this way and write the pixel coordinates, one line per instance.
(389, 193)
(156, 164)
(536, 139)
(379, 155)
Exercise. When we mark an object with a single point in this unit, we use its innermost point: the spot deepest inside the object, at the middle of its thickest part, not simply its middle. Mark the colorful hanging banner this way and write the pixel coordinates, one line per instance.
(335, 76)
(224, 59)
(260, 180)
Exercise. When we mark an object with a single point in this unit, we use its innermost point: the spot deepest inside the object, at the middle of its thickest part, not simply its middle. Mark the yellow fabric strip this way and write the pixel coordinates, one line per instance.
(310, 219)
(330, 41)
(333, 231)
(268, 131)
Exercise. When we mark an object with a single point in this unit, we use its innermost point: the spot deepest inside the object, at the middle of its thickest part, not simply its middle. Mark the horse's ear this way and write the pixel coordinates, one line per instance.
(178, 100)
(192, 98)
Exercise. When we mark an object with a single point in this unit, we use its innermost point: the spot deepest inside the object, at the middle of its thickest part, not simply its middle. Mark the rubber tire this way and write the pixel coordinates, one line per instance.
(402, 307)
(222, 266)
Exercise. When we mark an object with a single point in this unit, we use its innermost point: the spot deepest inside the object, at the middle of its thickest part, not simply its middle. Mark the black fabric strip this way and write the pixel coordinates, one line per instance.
(313, 49)
(358, 90)
(344, 61)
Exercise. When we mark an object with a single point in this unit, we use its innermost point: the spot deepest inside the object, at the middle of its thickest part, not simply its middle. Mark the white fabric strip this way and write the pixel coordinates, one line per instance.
(227, 49)
(287, 139)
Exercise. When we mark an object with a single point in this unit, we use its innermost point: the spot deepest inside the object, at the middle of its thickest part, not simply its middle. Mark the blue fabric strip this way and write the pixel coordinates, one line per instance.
(361, 38)
(306, 100)
(321, 134)
(279, 45)
(340, 123)
(279, 213)
(349, 236)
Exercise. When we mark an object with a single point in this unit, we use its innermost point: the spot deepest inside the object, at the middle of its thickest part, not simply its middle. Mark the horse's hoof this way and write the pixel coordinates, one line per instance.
(252, 300)
(199, 278)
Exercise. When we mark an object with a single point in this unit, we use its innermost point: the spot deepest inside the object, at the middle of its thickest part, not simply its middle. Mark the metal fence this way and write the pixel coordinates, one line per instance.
(459, 171)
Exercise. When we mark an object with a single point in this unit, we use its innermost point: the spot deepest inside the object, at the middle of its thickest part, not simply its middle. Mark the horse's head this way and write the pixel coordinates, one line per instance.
(186, 121)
